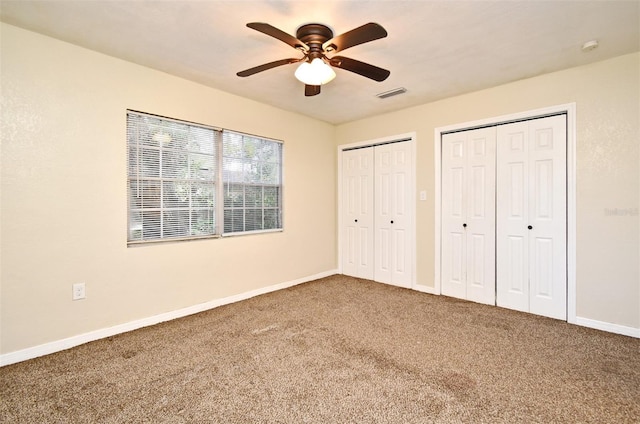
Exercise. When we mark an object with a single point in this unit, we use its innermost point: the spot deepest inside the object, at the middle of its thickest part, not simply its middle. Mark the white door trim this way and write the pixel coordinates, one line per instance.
(570, 110)
(411, 138)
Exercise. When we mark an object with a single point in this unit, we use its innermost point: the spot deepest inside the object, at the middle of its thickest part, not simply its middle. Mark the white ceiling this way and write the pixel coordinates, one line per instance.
(435, 49)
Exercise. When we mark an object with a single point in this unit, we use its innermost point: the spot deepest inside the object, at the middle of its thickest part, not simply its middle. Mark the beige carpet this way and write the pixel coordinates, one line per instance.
(336, 350)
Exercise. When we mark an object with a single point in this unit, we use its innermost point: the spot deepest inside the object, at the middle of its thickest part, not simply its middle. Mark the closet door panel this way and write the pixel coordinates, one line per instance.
(480, 212)
(548, 217)
(383, 197)
(393, 216)
(516, 280)
(400, 262)
(365, 252)
(468, 215)
(453, 203)
(350, 231)
(512, 235)
(531, 216)
(358, 213)
(477, 261)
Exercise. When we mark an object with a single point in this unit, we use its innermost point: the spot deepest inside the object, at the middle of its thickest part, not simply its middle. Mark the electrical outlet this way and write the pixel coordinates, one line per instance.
(78, 290)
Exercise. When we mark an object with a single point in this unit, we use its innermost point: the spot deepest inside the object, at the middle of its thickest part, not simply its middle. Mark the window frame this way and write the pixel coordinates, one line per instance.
(219, 210)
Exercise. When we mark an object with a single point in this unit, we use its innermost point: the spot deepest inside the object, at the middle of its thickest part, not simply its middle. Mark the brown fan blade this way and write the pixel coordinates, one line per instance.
(360, 68)
(311, 90)
(364, 34)
(266, 66)
(279, 34)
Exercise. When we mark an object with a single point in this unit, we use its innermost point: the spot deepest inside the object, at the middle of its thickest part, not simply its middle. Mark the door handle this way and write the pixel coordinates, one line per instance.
(529, 227)
(464, 225)
(392, 222)
(356, 220)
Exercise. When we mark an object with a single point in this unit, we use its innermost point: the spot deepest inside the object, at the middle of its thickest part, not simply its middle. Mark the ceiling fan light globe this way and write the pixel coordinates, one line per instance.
(316, 72)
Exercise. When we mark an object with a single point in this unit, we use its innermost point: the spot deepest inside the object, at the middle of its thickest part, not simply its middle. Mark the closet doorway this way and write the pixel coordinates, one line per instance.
(376, 210)
(507, 213)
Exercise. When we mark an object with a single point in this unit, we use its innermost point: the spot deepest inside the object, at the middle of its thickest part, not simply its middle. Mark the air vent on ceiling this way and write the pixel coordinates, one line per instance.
(390, 93)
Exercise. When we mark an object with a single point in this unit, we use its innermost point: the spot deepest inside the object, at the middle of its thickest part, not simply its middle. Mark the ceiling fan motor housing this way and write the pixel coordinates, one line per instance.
(314, 36)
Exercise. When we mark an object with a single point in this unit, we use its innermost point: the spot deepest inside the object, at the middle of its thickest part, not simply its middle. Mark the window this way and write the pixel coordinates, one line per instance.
(190, 181)
(252, 183)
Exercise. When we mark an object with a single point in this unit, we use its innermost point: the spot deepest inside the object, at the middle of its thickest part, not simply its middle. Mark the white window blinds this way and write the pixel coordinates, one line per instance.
(174, 170)
(252, 183)
(172, 173)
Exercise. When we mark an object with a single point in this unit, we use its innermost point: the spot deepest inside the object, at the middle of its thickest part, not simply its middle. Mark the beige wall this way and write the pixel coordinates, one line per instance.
(607, 97)
(64, 213)
(63, 197)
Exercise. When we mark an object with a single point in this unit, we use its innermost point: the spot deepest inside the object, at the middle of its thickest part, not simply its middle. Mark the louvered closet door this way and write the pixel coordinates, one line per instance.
(531, 217)
(468, 215)
(393, 214)
(358, 213)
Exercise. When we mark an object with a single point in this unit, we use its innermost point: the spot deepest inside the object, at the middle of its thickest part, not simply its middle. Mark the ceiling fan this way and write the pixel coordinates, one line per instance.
(315, 41)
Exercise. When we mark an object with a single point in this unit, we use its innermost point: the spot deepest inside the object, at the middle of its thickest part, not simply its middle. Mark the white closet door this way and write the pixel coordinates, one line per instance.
(481, 216)
(393, 214)
(548, 217)
(358, 213)
(453, 215)
(531, 216)
(468, 215)
(512, 216)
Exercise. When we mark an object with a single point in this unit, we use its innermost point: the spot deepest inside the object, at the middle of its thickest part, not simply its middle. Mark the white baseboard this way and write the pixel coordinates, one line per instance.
(63, 344)
(425, 289)
(59, 345)
(606, 326)
(584, 322)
